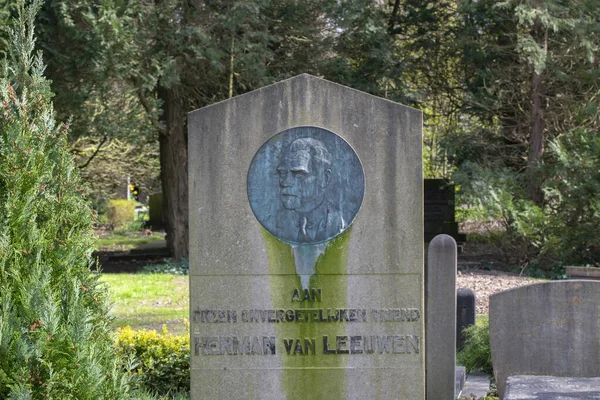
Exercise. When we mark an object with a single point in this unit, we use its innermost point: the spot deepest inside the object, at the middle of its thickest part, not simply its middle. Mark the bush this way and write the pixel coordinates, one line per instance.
(476, 353)
(161, 360)
(55, 338)
(120, 212)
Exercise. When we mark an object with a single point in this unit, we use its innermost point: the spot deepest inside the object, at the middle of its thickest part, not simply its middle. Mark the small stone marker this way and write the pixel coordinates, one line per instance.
(460, 379)
(524, 387)
(306, 246)
(465, 314)
(440, 324)
(550, 328)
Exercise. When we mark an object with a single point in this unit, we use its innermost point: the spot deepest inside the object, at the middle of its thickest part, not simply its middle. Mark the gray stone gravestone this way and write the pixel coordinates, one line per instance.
(440, 324)
(527, 387)
(547, 328)
(306, 254)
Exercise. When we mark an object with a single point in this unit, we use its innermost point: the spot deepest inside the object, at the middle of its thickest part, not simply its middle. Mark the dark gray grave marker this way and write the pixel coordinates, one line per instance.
(465, 314)
(439, 212)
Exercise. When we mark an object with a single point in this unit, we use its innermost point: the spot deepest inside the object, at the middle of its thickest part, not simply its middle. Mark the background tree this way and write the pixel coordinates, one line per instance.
(503, 85)
(174, 56)
(533, 86)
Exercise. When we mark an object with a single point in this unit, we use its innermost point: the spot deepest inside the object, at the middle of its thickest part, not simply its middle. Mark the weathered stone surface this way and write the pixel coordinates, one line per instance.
(547, 328)
(440, 324)
(524, 387)
(250, 289)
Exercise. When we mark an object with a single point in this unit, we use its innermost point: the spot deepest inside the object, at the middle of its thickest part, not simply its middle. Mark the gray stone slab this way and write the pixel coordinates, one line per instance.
(440, 324)
(547, 328)
(477, 384)
(460, 378)
(271, 277)
(524, 387)
(583, 273)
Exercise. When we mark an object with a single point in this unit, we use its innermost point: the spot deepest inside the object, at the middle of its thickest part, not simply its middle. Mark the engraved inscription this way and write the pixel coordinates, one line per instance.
(302, 347)
(307, 315)
(392, 343)
(306, 295)
(233, 345)
(305, 185)
(335, 345)
(398, 344)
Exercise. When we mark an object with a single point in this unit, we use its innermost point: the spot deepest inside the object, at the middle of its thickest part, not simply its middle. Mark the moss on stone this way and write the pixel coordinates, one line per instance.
(304, 373)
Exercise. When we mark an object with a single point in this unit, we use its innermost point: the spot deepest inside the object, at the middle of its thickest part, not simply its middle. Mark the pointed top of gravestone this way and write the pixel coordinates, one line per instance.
(292, 88)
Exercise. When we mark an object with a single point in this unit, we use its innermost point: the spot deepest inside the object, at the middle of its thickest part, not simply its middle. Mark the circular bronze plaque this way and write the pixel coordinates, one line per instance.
(306, 185)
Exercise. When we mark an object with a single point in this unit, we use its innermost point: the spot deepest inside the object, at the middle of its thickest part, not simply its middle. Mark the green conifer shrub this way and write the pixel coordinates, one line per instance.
(55, 340)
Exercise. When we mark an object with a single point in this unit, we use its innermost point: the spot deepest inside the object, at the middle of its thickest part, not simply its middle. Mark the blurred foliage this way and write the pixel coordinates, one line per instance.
(110, 163)
(509, 92)
(563, 230)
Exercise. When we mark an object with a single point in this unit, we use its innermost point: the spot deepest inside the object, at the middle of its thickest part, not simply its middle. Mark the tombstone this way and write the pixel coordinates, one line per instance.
(155, 213)
(592, 273)
(439, 210)
(306, 252)
(527, 387)
(440, 324)
(548, 329)
(465, 314)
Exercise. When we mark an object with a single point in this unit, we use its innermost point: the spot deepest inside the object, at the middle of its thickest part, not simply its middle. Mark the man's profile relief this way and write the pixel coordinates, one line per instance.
(304, 173)
(305, 185)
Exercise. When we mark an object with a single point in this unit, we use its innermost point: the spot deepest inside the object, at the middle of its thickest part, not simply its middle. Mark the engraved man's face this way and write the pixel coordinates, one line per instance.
(303, 175)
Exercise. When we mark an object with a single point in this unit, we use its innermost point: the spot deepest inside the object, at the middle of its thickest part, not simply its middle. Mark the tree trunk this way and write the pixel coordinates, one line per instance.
(173, 172)
(536, 140)
(538, 125)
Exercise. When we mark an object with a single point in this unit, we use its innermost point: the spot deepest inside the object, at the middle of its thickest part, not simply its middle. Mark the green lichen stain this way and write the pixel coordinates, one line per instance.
(310, 376)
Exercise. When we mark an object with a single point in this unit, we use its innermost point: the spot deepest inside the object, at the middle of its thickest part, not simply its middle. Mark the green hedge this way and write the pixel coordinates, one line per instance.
(161, 361)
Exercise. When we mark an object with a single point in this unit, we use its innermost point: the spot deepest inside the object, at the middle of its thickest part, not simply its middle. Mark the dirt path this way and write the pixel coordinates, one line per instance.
(485, 283)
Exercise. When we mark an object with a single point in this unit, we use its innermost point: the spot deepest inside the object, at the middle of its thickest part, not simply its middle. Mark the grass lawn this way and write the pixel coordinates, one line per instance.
(149, 300)
(116, 242)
